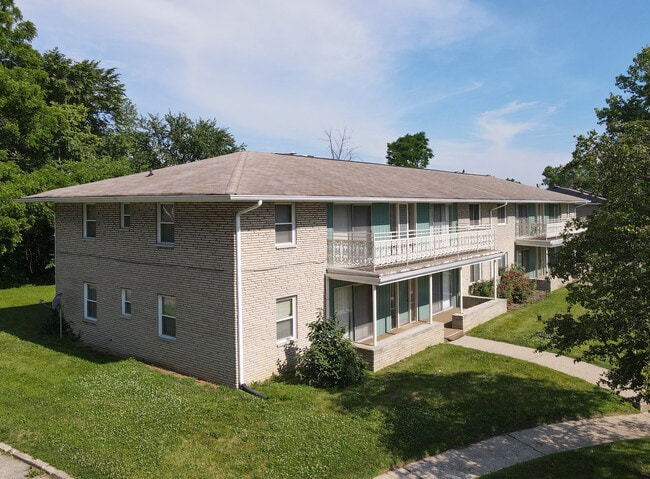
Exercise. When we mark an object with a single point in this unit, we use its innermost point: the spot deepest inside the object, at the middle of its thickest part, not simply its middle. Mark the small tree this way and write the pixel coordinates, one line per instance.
(330, 360)
(409, 150)
(515, 286)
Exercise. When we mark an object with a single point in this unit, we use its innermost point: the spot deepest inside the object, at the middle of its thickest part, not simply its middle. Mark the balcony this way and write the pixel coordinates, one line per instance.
(392, 248)
(544, 231)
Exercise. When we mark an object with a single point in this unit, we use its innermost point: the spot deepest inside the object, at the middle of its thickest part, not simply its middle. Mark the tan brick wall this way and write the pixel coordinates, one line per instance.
(270, 273)
(198, 271)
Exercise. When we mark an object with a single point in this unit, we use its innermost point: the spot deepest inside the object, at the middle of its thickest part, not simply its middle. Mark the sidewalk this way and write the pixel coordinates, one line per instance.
(503, 451)
(18, 465)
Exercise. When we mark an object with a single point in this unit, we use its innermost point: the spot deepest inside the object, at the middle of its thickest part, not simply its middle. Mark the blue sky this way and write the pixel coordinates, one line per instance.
(499, 87)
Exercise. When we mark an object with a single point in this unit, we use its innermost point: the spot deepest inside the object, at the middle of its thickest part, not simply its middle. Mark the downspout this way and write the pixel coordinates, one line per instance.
(494, 209)
(240, 303)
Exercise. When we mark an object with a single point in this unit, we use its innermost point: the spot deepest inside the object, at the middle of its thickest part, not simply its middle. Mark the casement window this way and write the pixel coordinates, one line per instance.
(475, 273)
(125, 215)
(285, 225)
(166, 220)
(90, 221)
(474, 214)
(167, 316)
(90, 301)
(285, 319)
(502, 218)
(126, 302)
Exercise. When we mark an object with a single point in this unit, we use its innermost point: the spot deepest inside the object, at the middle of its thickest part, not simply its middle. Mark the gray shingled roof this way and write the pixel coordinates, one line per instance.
(251, 175)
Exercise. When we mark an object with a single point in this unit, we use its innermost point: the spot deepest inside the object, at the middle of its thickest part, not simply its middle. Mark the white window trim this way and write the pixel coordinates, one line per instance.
(479, 268)
(124, 301)
(87, 317)
(505, 216)
(291, 338)
(123, 215)
(160, 316)
(158, 224)
(85, 221)
(293, 226)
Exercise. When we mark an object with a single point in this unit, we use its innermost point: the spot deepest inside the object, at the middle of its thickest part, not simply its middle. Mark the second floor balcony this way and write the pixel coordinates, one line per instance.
(375, 250)
(541, 230)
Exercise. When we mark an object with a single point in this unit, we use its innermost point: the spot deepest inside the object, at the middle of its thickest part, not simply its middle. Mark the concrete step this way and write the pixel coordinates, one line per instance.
(452, 334)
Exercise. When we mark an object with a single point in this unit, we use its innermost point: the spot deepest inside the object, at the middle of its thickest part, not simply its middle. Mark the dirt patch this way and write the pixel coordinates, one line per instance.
(537, 296)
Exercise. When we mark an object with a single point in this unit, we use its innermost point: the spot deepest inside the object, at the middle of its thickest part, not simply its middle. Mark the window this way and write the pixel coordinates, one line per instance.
(90, 221)
(285, 319)
(554, 212)
(501, 216)
(125, 222)
(503, 263)
(474, 214)
(285, 225)
(90, 301)
(166, 219)
(167, 316)
(126, 302)
(475, 273)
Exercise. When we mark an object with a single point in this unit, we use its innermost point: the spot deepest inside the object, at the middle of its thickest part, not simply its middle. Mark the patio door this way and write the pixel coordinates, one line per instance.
(343, 307)
(447, 281)
(362, 312)
(443, 294)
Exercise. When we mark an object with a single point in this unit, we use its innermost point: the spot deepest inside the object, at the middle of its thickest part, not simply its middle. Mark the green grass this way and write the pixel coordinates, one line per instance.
(619, 460)
(97, 416)
(522, 325)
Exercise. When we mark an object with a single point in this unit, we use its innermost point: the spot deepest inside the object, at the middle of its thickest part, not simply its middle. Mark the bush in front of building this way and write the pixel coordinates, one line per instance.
(515, 286)
(482, 288)
(331, 360)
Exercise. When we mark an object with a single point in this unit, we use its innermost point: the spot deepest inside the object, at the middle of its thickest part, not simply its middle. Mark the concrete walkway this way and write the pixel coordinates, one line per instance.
(18, 465)
(503, 451)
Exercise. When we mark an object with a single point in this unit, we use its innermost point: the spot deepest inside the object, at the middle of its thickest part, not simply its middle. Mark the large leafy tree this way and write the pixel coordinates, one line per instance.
(610, 261)
(176, 139)
(631, 103)
(409, 150)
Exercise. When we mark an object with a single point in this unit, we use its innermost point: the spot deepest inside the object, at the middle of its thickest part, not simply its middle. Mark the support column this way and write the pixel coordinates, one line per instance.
(460, 288)
(327, 298)
(495, 281)
(430, 298)
(374, 315)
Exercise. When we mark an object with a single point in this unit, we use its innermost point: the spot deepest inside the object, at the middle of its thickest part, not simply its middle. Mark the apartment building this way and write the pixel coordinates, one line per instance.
(215, 268)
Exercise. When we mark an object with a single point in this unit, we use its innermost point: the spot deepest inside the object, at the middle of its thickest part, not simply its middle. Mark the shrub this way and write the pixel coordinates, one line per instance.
(482, 288)
(331, 360)
(515, 286)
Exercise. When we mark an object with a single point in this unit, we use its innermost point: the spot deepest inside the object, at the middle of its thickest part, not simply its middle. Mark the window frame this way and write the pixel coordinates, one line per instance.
(472, 221)
(292, 223)
(126, 296)
(88, 300)
(160, 222)
(161, 314)
(502, 216)
(124, 215)
(292, 318)
(87, 220)
(476, 273)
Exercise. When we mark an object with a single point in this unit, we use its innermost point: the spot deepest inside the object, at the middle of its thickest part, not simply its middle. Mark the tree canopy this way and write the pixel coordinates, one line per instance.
(409, 150)
(632, 103)
(64, 122)
(609, 262)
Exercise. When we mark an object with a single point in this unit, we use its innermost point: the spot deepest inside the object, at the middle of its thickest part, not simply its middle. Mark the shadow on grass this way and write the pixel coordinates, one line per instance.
(33, 323)
(426, 413)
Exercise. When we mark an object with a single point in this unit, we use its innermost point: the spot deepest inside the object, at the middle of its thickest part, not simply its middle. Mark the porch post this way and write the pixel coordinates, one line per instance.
(374, 315)
(460, 287)
(327, 297)
(495, 266)
(430, 298)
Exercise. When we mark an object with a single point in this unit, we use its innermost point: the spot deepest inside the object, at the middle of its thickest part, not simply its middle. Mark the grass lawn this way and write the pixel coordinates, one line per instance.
(97, 416)
(520, 326)
(619, 460)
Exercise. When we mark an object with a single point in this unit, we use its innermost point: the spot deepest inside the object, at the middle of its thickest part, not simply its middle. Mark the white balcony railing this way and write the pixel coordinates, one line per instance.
(552, 229)
(384, 249)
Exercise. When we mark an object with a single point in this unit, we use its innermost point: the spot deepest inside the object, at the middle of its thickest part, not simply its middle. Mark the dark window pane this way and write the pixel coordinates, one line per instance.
(283, 213)
(169, 326)
(167, 233)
